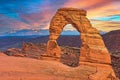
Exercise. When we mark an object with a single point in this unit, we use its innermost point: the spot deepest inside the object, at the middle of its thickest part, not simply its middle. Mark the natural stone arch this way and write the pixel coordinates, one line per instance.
(92, 49)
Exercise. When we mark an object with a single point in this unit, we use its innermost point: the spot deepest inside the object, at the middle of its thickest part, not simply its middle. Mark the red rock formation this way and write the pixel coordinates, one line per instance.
(28, 50)
(31, 50)
(30, 47)
(14, 52)
(93, 48)
(93, 52)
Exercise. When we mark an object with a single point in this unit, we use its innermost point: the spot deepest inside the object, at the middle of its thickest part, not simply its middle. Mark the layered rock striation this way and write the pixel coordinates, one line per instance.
(92, 49)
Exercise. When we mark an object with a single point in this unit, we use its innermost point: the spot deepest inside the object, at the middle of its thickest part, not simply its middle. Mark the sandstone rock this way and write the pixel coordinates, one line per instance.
(31, 50)
(53, 48)
(14, 52)
(102, 71)
(28, 50)
(30, 47)
(93, 48)
(13, 68)
(93, 51)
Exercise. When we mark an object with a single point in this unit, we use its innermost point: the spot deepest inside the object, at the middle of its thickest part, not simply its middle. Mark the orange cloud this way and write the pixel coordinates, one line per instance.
(85, 4)
(98, 9)
(39, 19)
(95, 7)
(109, 9)
(106, 25)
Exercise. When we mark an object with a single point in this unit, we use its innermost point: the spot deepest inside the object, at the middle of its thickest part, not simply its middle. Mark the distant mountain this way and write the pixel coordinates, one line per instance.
(11, 42)
(26, 32)
(112, 40)
(30, 32)
(16, 41)
(41, 32)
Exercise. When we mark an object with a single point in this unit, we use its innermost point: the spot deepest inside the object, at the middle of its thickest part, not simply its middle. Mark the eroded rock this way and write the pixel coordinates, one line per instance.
(93, 48)
(14, 52)
(28, 50)
(93, 51)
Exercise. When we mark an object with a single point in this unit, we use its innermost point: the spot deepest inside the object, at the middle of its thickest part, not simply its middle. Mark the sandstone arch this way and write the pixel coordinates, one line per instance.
(92, 49)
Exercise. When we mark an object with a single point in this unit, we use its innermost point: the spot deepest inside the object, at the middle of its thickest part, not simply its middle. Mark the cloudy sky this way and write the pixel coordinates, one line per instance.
(36, 14)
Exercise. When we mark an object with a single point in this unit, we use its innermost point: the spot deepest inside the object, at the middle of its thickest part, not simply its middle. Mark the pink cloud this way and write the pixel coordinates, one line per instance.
(86, 4)
(38, 19)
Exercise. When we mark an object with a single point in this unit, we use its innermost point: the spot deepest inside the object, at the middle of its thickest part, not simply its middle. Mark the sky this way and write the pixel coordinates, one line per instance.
(35, 15)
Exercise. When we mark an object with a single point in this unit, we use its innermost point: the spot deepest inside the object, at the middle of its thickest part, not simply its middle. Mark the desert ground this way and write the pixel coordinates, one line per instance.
(21, 68)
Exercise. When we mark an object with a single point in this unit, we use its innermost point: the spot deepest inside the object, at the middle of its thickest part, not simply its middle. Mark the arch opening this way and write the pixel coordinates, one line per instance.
(70, 44)
(69, 37)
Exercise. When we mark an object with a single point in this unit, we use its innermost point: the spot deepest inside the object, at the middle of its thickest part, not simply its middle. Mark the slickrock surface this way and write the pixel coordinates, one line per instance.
(17, 68)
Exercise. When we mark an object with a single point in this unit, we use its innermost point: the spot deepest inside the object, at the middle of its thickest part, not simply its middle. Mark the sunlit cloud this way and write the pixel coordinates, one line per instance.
(37, 14)
(103, 14)
(106, 25)
(103, 11)
(109, 18)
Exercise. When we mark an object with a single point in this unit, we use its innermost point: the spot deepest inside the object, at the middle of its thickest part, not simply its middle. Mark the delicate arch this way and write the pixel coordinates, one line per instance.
(92, 49)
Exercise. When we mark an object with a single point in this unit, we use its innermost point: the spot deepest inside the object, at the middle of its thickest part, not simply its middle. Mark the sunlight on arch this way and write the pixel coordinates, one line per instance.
(69, 30)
